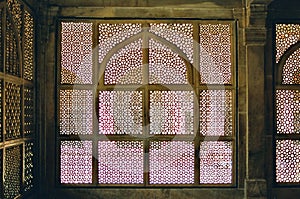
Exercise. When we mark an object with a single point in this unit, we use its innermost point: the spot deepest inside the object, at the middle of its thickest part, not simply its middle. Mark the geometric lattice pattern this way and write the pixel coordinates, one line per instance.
(120, 112)
(291, 69)
(12, 111)
(120, 162)
(165, 66)
(28, 111)
(76, 112)
(76, 53)
(215, 54)
(286, 36)
(111, 35)
(288, 111)
(76, 162)
(1, 173)
(12, 172)
(171, 112)
(12, 63)
(171, 162)
(28, 160)
(1, 43)
(16, 11)
(28, 46)
(215, 108)
(125, 66)
(288, 161)
(216, 162)
(1, 110)
(180, 35)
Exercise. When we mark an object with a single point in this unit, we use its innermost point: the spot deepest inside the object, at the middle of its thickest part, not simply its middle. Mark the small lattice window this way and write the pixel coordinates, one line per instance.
(287, 102)
(131, 113)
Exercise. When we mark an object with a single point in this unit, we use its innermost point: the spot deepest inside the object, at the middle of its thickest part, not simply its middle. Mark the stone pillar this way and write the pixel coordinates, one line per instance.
(255, 38)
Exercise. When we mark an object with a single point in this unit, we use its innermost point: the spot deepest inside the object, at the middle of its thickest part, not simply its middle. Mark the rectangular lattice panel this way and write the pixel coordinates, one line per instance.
(12, 172)
(216, 162)
(110, 35)
(286, 36)
(76, 53)
(215, 108)
(120, 162)
(125, 65)
(28, 46)
(287, 111)
(120, 112)
(28, 111)
(29, 166)
(1, 40)
(76, 112)
(1, 174)
(12, 63)
(165, 65)
(179, 34)
(15, 10)
(171, 162)
(291, 70)
(215, 53)
(171, 112)
(287, 161)
(12, 110)
(76, 162)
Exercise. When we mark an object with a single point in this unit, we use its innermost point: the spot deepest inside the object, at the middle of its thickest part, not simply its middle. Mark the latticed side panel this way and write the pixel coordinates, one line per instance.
(171, 162)
(28, 111)
(291, 69)
(16, 13)
(215, 108)
(12, 65)
(12, 111)
(125, 66)
(1, 174)
(171, 112)
(76, 112)
(216, 162)
(286, 36)
(1, 42)
(28, 170)
(76, 162)
(1, 110)
(287, 161)
(178, 34)
(111, 35)
(76, 53)
(165, 66)
(215, 54)
(287, 111)
(12, 172)
(120, 162)
(28, 46)
(120, 112)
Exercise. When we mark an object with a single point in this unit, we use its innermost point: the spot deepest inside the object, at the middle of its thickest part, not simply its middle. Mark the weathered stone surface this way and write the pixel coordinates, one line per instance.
(256, 188)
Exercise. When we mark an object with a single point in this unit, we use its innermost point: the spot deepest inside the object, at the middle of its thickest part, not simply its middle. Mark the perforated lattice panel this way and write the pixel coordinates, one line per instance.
(1, 42)
(171, 162)
(76, 53)
(12, 65)
(1, 173)
(215, 54)
(120, 162)
(165, 66)
(178, 34)
(76, 112)
(76, 162)
(215, 162)
(12, 172)
(125, 66)
(1, 110)
(28, 46)
(28, 170)
(16, 12)
(291, 70)
(215, 108)
(111, 35)
(28, 111)
(286, 36)
(12, 111)
(171, 112)
(120, 112)
(287, 161)
(287, 111)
